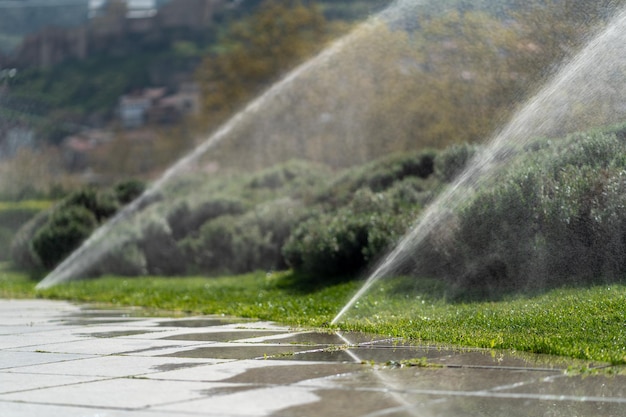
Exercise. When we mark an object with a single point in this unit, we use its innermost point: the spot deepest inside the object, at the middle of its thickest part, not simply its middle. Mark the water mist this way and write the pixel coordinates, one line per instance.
(594, 77)
(117, 231)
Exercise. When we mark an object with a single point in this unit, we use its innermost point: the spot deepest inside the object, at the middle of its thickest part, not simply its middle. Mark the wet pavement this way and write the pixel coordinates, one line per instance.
(60, 359)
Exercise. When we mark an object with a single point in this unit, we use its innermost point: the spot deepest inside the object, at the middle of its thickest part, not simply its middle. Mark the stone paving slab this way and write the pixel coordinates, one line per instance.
(61, 359)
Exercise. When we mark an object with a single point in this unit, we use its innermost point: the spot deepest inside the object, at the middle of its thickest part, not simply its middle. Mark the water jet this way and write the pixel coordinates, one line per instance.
(112, 234)
(593, 76)
(526, 124)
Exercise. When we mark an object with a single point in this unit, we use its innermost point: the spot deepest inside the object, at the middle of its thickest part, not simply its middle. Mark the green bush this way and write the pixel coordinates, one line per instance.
(378, 176)
(67, 223)
(342, 243)
(450, 162)
(557, 217)
(253, 241)
(125, 260)
(22, 252)
(185, 218)
(63, 233)
(223, 246)
(102, 204)
(161, 253)
(290, 173)
(127, 191)
(12, 218)
(411, 192)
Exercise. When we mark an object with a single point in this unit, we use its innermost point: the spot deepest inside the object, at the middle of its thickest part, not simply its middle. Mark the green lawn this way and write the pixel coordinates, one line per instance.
(584, 323)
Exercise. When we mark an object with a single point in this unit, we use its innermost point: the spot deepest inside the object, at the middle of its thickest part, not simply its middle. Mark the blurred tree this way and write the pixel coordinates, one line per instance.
(257, 50)
(450, 81)
(112, 17)
(552, 30)
(34, 174)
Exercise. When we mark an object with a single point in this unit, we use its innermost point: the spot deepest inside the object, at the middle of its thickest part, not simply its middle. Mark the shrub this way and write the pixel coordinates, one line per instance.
(452, 161)
(294, 171)
(295, 178)
(344, 242)
(102, 205)
(68, 222)
(126, 260)
(62, 234)
(22, 253)
(127, 191)
(377, 176)
(235, 244)
(411, 192)
(162, 255)
(557, 217)
(185, 219)
(12, 218)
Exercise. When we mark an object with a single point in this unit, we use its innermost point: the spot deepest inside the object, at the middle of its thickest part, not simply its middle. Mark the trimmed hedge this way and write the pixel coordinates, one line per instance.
(236, 244)
(377, 176)
(557, 217)
(342, 243)
(63, 233)
(52, 235)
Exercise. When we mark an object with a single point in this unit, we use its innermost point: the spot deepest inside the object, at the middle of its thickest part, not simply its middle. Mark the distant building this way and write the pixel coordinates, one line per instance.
(78, 148)
(19, 18)
(133, 108)
(54, 45)
(135, 9)
(154, 106)
(16, 138)
(173, 108)
(192, 14)
(110, 21)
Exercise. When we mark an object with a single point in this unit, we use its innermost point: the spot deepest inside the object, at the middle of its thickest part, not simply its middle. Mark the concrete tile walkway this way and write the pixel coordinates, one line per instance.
(60, 359)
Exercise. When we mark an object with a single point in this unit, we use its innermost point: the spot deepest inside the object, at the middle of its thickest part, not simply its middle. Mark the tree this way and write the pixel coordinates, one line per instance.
(256, 51)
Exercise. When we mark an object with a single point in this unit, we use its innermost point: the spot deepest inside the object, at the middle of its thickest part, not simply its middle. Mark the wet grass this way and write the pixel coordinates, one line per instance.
(584, 323)
(258, 295)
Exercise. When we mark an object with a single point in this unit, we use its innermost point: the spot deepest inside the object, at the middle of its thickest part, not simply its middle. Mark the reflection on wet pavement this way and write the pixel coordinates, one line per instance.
(224, 336)
(201, 322)
(60, 359)
(239, 352)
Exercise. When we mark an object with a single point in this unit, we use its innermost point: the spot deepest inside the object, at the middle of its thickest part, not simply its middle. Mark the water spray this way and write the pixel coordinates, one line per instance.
(587, 77)
(102, 240)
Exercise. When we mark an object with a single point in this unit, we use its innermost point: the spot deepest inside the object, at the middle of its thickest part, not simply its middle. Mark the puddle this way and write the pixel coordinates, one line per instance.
(87, 314)
(175, 366)
(94, 321)
(151, 349)
(218, 391)
(240, 352)
(351, 403)
(202, 322)
(369, 353)
(326, 338)
(444, 357)
(105, 335)
(291, 374)
(224, 336)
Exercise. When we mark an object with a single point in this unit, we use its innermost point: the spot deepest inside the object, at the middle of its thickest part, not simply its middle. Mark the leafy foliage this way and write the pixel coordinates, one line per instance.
(127, 191)
(453, 160)
(378, 176)
(12, 217)
(343, 242)
(53, 234)
(236, 244)
(256, 50)
(65, 230)
(556, 218)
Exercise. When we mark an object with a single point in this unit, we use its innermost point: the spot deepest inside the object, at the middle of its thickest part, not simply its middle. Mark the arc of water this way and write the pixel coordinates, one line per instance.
(95, 248)
(541, 115)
